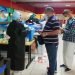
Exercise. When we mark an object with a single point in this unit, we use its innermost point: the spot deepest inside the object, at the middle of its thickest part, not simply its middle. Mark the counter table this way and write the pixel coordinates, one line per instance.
(4, 47)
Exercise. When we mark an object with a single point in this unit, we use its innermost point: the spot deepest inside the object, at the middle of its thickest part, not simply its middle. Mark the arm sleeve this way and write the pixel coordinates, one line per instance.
(72, 29)
(22, 30)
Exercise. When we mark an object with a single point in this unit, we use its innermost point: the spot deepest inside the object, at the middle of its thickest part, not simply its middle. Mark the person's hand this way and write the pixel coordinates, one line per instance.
(40, 32)
(44, 34)
(62, 30)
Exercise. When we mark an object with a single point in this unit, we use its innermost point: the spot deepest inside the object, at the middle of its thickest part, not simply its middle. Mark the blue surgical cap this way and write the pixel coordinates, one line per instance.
(16, 15)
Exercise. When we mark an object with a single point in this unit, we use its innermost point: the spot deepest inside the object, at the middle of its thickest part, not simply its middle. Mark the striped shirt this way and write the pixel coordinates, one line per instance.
(51, 25)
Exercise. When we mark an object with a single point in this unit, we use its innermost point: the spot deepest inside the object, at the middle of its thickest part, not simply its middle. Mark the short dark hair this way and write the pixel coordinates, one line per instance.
(49, 9)
(66, 11)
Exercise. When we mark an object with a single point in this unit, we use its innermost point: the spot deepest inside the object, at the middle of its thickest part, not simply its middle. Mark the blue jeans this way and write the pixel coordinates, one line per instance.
(52, 56)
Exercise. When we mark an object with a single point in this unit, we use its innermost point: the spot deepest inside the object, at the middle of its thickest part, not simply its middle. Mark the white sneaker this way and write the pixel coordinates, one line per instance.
(17, 73)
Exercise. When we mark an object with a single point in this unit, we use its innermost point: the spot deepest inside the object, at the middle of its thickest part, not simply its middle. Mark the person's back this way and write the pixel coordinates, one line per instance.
(16, 51)
(16, 43)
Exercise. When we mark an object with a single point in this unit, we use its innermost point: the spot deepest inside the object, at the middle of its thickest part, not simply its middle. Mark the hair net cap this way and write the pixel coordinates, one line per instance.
(16, 15)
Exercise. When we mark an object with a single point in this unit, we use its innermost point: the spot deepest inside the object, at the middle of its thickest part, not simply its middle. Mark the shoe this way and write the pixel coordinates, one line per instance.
(48, 73)
(48, 68)
(67, 69)
(62, 65)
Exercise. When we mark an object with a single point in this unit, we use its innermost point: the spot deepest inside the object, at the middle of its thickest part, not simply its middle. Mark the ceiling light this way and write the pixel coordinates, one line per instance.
(56, 0)
(46, 5)
(67, 5)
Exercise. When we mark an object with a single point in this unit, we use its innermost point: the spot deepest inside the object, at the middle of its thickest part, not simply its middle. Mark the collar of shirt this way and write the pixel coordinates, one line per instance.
(53, 18)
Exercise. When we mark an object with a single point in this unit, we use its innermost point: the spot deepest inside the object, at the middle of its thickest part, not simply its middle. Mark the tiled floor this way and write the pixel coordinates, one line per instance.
(40, 67)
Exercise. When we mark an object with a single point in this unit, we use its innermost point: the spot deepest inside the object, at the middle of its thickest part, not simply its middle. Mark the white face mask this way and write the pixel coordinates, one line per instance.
(46, 17)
